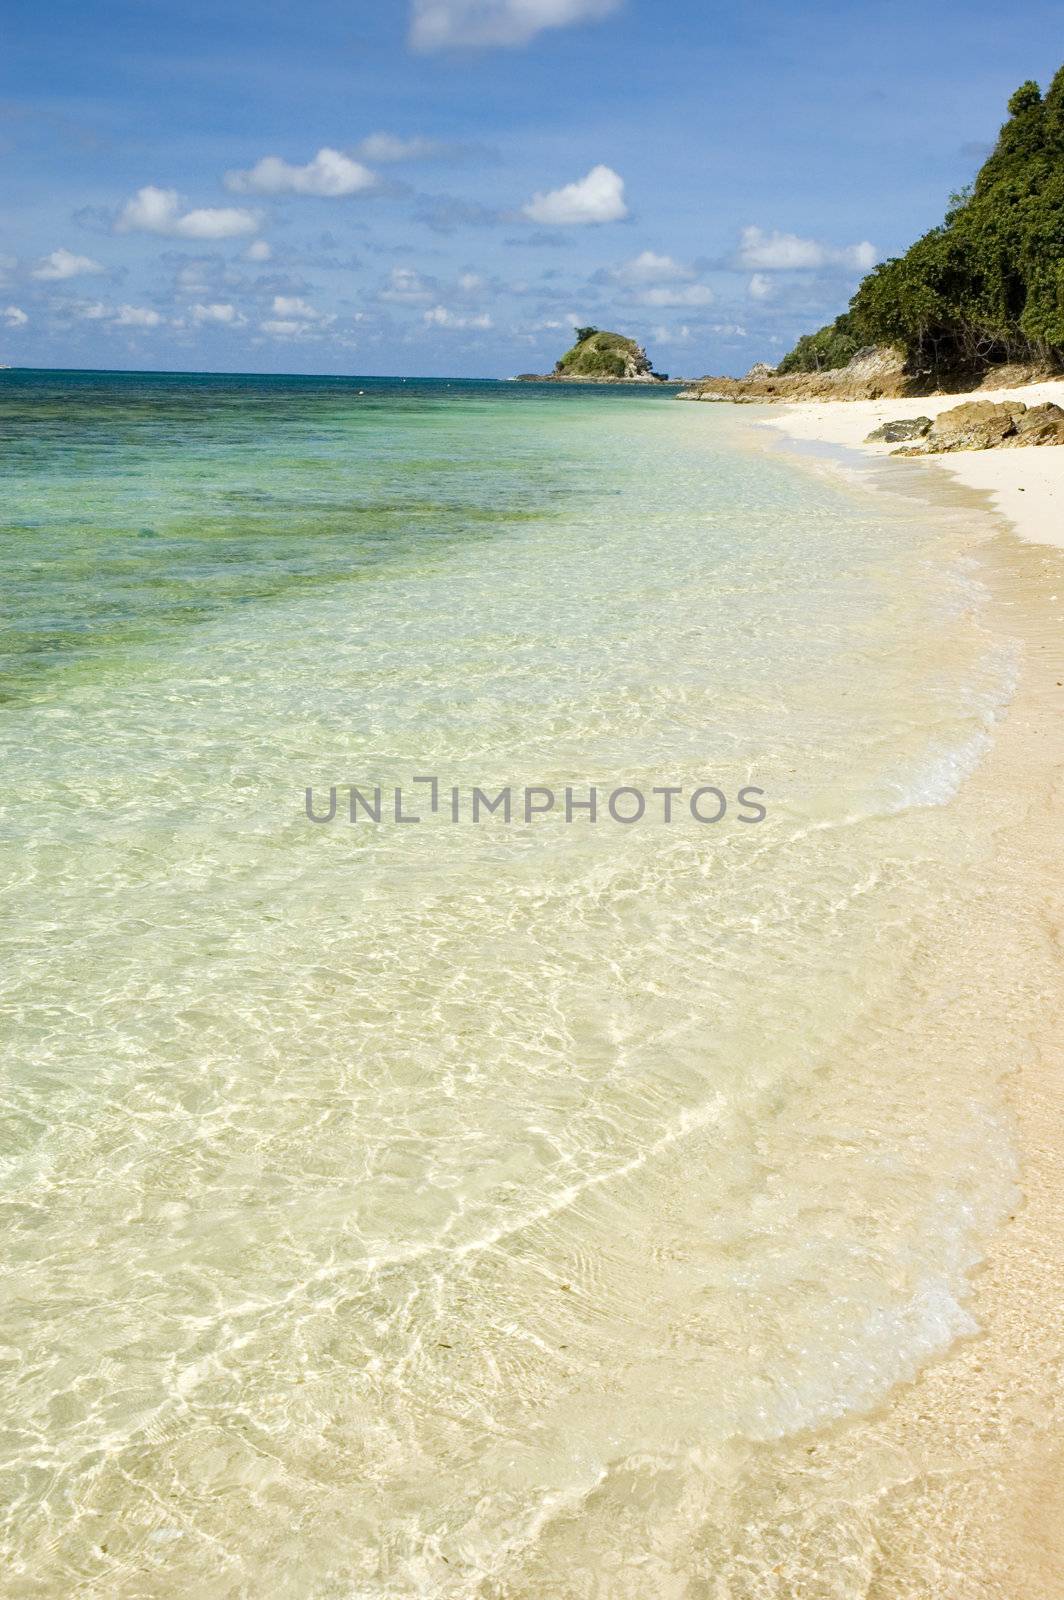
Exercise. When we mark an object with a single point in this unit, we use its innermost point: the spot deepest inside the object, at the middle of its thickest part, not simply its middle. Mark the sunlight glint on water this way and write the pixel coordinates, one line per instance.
(377, 1199)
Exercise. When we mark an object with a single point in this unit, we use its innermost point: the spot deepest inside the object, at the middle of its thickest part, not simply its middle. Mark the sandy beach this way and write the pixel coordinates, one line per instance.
(1026, 486)
(990, 1531)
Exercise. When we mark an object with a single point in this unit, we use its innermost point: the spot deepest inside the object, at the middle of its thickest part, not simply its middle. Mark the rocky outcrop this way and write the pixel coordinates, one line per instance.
(904, 428)
(1042, 424)
(759, 370)
(873, 374)
(990, 425)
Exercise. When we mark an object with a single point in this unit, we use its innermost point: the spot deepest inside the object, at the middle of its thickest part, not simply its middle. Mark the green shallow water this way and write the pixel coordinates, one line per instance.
(442, 1209)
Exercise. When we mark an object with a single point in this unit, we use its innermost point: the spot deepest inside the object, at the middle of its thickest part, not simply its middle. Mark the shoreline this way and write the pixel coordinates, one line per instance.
(970, 1508)
(1025, 486)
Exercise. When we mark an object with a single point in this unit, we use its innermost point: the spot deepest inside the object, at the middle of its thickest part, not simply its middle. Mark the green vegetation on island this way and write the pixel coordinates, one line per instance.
(597, 354)
(601, 357)
(984, 288)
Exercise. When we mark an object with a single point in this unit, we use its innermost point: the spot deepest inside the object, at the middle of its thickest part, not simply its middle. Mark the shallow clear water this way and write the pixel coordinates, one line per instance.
(437, 1209)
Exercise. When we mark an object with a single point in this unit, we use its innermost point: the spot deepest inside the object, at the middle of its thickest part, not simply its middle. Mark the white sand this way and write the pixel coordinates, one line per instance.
(1026, 486)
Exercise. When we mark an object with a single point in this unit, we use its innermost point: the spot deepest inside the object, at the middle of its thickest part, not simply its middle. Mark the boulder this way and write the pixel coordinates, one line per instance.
(1042, 424)
(975, 425)
(903, 428)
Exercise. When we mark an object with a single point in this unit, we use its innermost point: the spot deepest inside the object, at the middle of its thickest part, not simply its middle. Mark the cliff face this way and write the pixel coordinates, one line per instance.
(869, 376)
(601, 357)
(876, 373)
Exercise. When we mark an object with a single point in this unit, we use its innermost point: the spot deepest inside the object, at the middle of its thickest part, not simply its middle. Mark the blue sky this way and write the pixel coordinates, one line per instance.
(443, 186)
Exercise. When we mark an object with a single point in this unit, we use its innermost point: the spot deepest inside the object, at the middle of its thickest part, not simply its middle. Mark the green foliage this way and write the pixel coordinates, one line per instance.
(831, 347)
(597, 355)
(987, 285)
(584, 333)
(1026, 96)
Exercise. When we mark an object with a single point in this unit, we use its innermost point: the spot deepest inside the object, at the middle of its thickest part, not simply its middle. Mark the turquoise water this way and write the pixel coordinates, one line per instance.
(439, 1209)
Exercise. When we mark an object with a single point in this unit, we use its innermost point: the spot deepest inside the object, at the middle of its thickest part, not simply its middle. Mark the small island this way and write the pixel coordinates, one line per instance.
(600, 357)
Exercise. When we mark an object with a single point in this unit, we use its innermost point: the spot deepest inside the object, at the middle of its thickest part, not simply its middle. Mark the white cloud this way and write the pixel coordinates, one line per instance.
(407, 287)
(760, 287)
(331, 175)
(479, 24)
(440, 317)
(159, 211)
(217, 311)
(384, 147)
(14, 316)
(685, 294)
(258, 250)
(598, 197)
(783, 252)
(293, 305)
(136, 317)
(125, 316)
(295, 318)
(649, 267)
(64, 264)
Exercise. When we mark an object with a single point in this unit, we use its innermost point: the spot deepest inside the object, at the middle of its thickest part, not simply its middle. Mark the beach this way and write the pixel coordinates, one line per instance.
(1025, 486)
(989, 1528)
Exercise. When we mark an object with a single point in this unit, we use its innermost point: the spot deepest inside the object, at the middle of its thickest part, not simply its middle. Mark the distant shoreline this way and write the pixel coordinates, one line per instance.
(617, 383)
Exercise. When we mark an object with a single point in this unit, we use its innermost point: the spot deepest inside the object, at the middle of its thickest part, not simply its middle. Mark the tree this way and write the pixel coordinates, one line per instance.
(987, 285)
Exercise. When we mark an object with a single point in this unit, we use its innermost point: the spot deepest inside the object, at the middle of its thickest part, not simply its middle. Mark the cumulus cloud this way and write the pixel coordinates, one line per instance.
(787, 252)
(440, 317)
(154, 210)
(404, 286)
(294, 318)
(258, 250)
(136, 317)
(331, 175)
(598, 197)
(64, 264)
(649, 267)
(680, 294)
(14, 316)
(484, 24)
(216, 311)
(124, 316)
(292, 305)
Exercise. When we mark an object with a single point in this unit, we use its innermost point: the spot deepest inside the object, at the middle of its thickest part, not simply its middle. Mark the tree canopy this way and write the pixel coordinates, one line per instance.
(986, 285)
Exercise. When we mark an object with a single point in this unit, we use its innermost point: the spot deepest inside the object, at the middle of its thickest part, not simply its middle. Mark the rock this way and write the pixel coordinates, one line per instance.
(903, 428)
(975, 425)
(873, 374)
(1042, 424)
(760, 369)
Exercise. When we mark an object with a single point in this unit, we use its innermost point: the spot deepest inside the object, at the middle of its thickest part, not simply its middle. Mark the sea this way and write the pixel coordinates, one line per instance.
(406, 1196)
